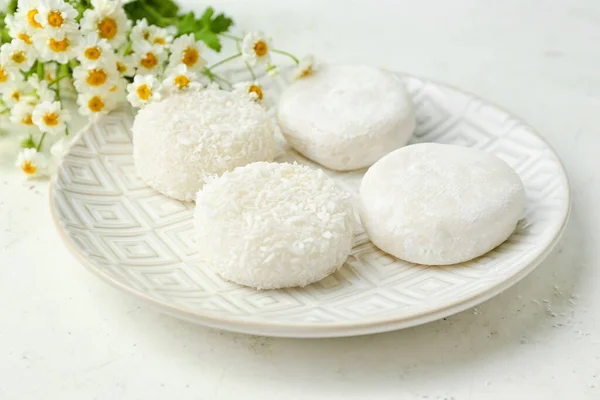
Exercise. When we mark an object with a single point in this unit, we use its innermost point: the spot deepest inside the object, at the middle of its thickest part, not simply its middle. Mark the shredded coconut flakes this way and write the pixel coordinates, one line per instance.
(271, 225)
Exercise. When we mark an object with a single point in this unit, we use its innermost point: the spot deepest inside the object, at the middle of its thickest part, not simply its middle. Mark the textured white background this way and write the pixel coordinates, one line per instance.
(66, 335)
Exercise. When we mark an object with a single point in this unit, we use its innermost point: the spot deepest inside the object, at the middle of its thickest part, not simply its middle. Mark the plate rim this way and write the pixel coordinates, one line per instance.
(337, 329)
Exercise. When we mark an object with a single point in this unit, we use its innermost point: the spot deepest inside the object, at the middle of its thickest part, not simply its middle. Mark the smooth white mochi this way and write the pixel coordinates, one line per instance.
(346, 117)
(271, 225)
(181, 141)
(438, 204)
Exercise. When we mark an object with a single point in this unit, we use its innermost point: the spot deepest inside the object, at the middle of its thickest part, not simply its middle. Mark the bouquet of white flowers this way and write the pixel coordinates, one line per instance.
(103, 53)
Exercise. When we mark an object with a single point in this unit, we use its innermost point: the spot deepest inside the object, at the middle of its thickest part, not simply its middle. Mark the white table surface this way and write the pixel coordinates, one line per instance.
(66, 335)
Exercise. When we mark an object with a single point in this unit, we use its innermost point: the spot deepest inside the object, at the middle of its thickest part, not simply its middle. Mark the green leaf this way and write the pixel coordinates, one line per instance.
(27, 143)
(156, 12)
(221, 23)
(208, 27)
(135, 10)
(210, 38)
(186, 24)
(164, 12)
(206, 16)
(167, 8)
(12, 6)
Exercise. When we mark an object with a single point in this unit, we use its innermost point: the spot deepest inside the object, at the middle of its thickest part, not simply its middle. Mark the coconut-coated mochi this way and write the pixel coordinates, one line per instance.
(439, 204)
(179, 142)
(346, 117)
(272, 225)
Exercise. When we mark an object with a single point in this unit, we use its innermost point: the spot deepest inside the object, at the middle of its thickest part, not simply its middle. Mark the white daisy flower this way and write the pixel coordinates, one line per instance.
(41, 89)
(57, 18)
(21, 114)
(305, 68)
(143, 90)
(125, 65)
(17, 29)
(100, 77)
(7, 75)
(180, 78)
(140, 31)
(18, 90)
(148, 58)
(93, 50)
(49, 117)
(17, 54)
(160, 36)
(272, 70)
(27, 11)
(186, 50)
(155, 35)
(251, 89)
(57, 49)
(118, 91)
(31, 162)
(95, 104)
(108, 19)
(256, 48)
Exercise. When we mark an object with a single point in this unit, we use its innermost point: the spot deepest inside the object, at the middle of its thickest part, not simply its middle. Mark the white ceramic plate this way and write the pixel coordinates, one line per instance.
(142, 242)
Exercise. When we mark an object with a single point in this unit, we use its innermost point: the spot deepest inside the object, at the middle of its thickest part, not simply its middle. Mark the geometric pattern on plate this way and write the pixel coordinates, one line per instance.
(143, 242)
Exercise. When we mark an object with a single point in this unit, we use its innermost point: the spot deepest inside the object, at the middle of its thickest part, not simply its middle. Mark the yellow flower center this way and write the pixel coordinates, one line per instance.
(256, 89)
(92, 53)
(18, 57)
(306, 71)
(146, 35)
(29, 167)
(182, 81)
(3, 75)
(113, 89)
(190, 57)
(24, 37)
(95, 104)
(260, 48)
(31, 18)
(96, 77)
(49, 76)
(27, 120)
(107, 28)
(16, 95)
(144, 92)
(50, 119)
(58, 45)
(149, 61)
(121, 67)
(55, 19)
(160, 41)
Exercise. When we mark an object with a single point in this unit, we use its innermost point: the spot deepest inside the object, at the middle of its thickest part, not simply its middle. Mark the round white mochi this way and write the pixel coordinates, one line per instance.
(438, 204)
(346, 117)
(271, 225)
(181, 141)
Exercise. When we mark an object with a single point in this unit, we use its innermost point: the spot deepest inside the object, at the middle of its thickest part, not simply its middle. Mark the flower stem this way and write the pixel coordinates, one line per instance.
(232, 37)
(58, 80)
(40, 70)
(211, 75)
(285, 53)
(223, 61)
(251, 70)
(219, 77)
(128, 48)
(57, 89)
(39, 146)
